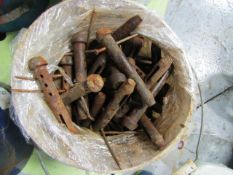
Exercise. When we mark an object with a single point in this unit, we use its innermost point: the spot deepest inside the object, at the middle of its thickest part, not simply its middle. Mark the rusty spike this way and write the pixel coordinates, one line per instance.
(131, 121)
(125, 90)
(94, 83)
(52, 97)
(155, 136)
(97, 104)
(118, 57)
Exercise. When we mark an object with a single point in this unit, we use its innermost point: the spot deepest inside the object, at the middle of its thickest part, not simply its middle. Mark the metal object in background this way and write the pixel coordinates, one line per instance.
(79, 41)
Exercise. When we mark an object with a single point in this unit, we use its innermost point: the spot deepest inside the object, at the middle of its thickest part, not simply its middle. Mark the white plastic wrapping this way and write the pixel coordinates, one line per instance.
(49, 36)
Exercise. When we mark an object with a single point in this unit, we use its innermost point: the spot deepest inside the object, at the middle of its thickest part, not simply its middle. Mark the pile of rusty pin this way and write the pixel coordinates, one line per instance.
(106, 85)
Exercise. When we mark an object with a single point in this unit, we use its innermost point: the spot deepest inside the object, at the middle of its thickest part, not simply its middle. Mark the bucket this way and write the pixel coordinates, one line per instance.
(49, 36)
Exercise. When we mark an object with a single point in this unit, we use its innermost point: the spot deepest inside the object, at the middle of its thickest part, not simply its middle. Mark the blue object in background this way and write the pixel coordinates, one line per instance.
(36, 7)
(13, 148)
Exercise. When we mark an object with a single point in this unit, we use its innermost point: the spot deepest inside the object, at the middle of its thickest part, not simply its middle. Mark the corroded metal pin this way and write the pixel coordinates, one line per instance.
(94, 83)
(52, 97)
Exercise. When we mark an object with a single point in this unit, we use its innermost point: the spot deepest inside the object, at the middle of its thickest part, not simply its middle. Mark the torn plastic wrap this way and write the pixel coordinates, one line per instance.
(49, 36)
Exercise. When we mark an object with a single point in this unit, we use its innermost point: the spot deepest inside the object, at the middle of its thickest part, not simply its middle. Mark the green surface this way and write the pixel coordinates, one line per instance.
(54, 167)
(33, 166)
(5, 57)
(159, 5)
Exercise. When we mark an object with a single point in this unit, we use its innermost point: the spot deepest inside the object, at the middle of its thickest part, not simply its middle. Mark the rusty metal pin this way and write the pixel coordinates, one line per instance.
(97, 104)
(79, 45)
(131, 121)
(125, 29)
(52, 97)
(33, 90)
(125, 90)
(94, 83)
(155, 136)
(118, 57)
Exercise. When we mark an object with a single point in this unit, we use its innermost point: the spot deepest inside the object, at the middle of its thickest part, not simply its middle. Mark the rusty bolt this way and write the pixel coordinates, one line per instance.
(125, 90)
(52, 97)
(121, 62)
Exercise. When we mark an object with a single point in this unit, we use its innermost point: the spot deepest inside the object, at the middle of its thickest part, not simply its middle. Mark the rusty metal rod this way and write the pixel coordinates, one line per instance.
(118, 57)
(106, 116)
(79, 46)
(131, 121)
(110, 149)
(122, 132)
(52, 97)
(33, 79)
